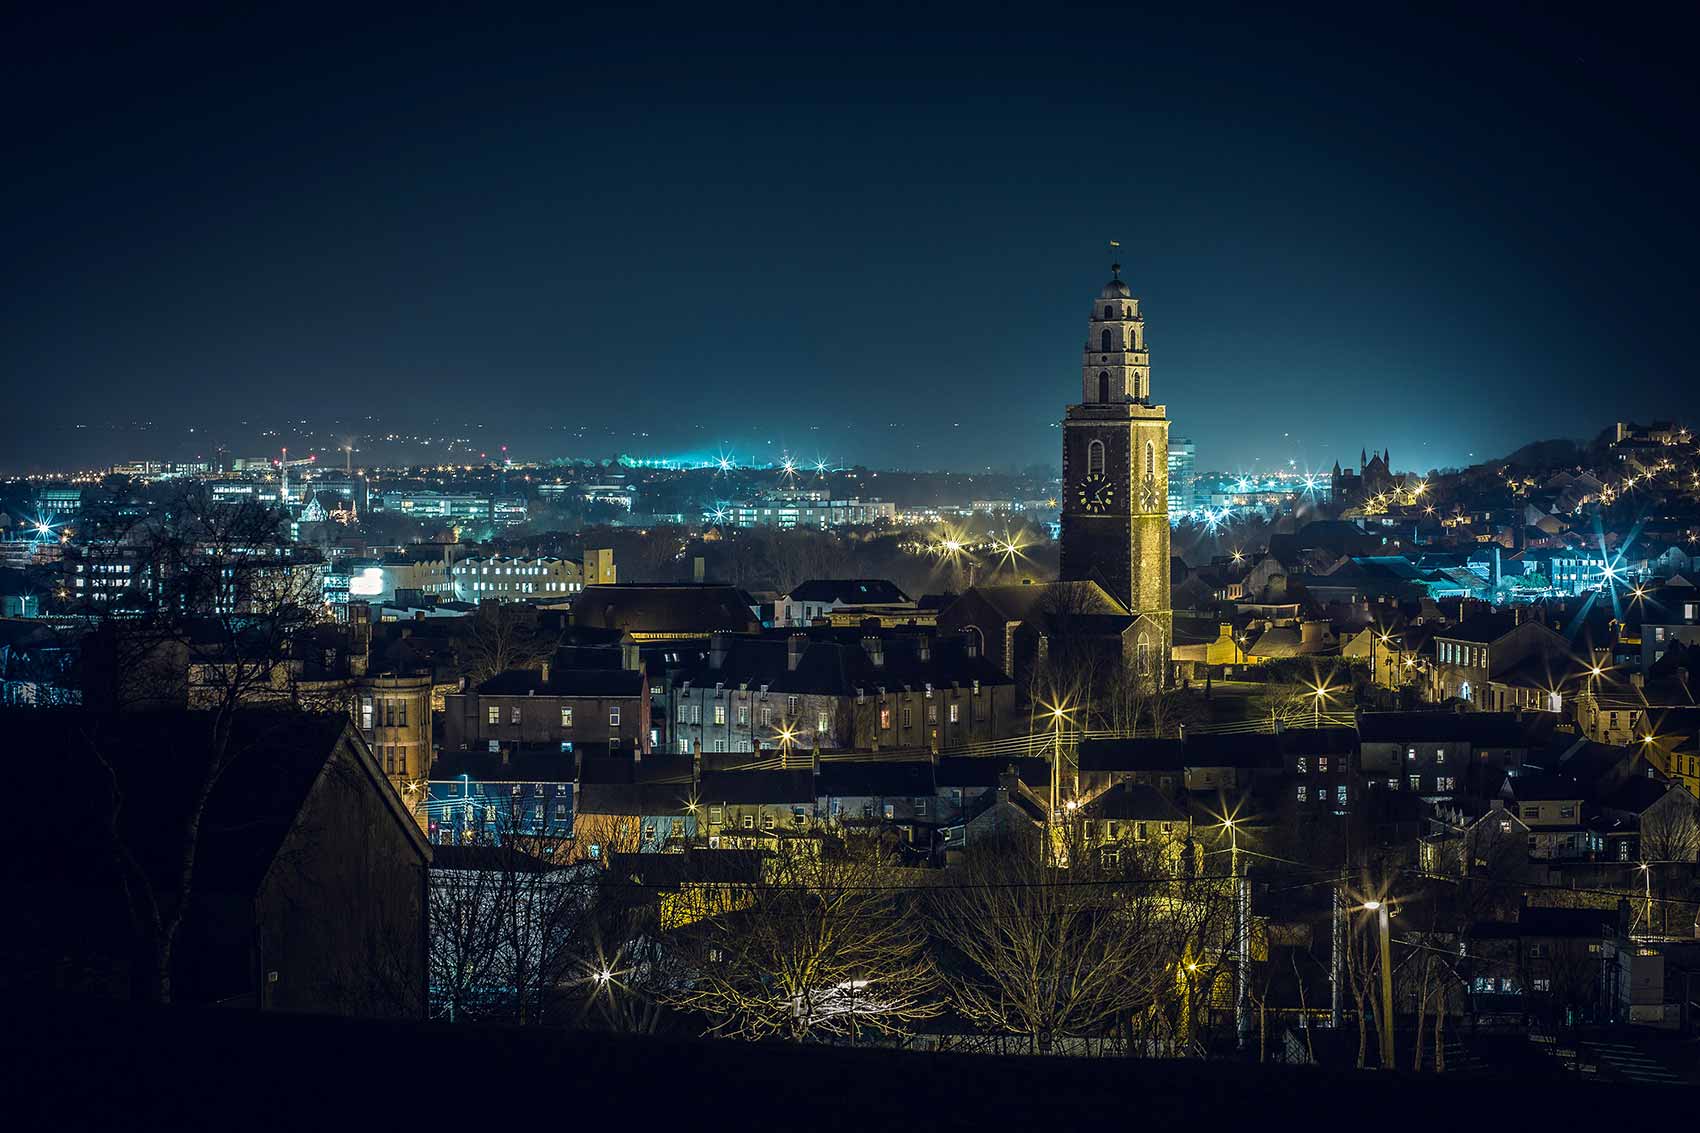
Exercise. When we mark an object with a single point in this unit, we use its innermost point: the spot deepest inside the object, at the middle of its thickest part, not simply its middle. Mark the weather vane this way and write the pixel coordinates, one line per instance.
(1115, 268)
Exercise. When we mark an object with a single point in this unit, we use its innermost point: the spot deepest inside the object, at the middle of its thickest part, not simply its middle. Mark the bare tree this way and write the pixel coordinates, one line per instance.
(828, 948)
(1049, 953)
(1670, 842)
(505, 636)
(507, 930)
(212, 582)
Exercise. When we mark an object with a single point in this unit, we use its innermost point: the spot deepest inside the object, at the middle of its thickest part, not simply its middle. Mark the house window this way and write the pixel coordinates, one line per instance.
(766, 716)
(768, 822)
(790, 706)
(890, 810)
(743, 715)
(1302, 765)
(1416, 782)
(720, 714)
(1322, 763)
(749, 822)
(614, 716)
(513, 715)
(1340, 795)
(955, 713)
(823, 722)
(921, 807)
(493, 714)
(1302, 792)
(908, 716)
(566, 716)
(885, 716)
(932, 714)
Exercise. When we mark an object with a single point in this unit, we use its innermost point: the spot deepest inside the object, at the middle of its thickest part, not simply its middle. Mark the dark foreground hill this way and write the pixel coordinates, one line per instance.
(79, 1065)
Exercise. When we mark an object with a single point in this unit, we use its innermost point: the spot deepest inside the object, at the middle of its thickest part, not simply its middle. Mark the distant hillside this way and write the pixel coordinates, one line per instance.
(1560, 452)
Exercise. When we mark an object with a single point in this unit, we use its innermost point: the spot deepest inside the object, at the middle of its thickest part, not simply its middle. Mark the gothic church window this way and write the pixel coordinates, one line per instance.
(1104, 342)
(1095, 458)
(1103, 385)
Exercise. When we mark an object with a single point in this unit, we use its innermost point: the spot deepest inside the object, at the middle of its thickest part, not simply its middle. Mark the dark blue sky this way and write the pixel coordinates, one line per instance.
(871, 234)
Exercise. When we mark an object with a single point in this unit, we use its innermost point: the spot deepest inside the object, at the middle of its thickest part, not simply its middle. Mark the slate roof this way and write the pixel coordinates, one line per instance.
(755, 788)
(983, 771)
(1483, 729)
(1545, 788)
(541, 764)
(1133, 802)
(566, 682)
(1250, 750)
(635, 799)
(849, 591)
(1112, 755)
(1482, 628)
(678, 607)
(1635, 794)
(884, 778)
(838, 666)
(1319, 741)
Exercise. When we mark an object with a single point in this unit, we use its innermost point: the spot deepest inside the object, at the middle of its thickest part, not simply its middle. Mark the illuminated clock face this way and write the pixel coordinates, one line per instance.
(1097, 494)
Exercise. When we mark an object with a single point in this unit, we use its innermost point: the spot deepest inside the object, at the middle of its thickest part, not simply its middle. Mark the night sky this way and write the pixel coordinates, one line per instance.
(867, 235)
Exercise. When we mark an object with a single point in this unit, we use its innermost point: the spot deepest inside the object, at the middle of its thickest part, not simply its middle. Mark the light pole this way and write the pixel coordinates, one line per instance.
(1242, 941)
(1379, 908)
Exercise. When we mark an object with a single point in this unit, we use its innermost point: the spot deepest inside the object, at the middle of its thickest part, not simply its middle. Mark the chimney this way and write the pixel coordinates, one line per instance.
(699, 569)
(794, 646)
(718, 645)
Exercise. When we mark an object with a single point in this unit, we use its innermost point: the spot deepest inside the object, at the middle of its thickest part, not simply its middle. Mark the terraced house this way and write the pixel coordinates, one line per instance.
(831, 688)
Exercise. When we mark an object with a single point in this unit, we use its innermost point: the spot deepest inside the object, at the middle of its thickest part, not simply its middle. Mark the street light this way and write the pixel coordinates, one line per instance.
(1379, 908)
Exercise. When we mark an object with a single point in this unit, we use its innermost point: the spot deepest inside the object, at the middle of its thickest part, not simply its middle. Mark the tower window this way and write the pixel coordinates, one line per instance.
(1150, 460)
(1109, 313)
(1104, 342)
(1095, 458)
(1103, 385)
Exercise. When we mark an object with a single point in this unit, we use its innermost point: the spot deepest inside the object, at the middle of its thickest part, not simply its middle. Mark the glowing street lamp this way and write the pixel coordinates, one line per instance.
(1379, 906)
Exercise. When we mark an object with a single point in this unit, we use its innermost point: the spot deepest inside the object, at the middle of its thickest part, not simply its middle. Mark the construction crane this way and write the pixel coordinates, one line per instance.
(283, 466)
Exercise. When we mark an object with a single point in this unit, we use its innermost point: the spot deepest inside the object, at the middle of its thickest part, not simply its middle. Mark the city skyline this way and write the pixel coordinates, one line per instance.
(748, 223)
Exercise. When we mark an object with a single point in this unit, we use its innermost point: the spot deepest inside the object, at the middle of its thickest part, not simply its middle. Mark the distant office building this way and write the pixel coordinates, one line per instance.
(502, 511)
(510, 579)
(1183, 476)
(50, 502)
(804, 513)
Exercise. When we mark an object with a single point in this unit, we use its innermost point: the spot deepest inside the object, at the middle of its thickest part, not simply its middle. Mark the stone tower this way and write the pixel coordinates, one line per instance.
(1115, 508)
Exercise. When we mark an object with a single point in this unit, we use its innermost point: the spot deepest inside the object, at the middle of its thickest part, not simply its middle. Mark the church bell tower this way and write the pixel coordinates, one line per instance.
(1115, 508)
